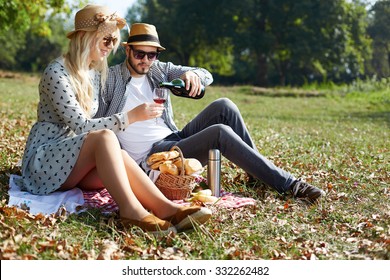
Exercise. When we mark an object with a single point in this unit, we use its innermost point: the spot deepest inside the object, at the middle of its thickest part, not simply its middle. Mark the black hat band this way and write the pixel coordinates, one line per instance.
(142, 38)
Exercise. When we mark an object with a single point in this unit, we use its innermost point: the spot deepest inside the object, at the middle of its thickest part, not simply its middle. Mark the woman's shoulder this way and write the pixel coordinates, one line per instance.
(55, 67)
(55, 71)
(56, 63)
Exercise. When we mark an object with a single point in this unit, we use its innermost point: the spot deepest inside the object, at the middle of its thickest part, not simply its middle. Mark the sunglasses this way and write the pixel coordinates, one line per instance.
(108, 40)
(141, 54)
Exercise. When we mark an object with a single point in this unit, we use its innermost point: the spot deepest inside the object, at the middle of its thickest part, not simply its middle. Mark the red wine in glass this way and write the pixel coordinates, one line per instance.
(159, 96)
(159, 100)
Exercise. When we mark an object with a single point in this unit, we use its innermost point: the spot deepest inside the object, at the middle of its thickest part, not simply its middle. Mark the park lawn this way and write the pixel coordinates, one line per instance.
(335, 138)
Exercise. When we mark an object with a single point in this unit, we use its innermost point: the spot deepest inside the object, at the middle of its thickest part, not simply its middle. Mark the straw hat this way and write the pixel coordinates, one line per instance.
(142, 34)
(93, 17)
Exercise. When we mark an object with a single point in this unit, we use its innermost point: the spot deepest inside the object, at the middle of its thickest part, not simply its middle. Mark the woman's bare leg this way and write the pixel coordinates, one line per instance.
(146, 191)
(91, 181)
(101, 150)
(143, 188)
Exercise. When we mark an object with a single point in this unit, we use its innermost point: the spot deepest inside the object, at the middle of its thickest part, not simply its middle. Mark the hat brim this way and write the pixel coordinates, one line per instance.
(92, 28)
(70, 34)
(145, 43)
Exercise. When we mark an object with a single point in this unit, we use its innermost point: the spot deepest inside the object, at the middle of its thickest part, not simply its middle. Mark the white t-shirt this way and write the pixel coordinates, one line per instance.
(139, 137)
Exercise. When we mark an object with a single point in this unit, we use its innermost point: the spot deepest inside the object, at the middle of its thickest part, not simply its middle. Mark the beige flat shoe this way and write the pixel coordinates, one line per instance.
(151, 224)
(186, 216)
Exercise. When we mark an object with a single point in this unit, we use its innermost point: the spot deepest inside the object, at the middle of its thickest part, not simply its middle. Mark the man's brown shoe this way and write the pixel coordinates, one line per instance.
(151, 224)
(186, 216)
(303, 190)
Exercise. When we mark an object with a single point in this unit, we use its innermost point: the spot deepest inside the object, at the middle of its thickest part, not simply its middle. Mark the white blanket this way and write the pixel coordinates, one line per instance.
(45, 204)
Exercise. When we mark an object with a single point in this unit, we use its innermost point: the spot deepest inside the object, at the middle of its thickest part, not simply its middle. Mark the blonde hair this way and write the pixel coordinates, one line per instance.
(76, 63)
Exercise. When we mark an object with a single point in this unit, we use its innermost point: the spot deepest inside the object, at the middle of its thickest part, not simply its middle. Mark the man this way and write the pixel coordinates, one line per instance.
(219, 126)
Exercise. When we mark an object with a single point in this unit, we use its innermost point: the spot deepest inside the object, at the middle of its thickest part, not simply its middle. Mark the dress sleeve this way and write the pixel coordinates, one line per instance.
(56, 85)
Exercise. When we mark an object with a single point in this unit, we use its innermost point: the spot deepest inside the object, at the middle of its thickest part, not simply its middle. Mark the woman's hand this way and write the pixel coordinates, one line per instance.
(145, 111)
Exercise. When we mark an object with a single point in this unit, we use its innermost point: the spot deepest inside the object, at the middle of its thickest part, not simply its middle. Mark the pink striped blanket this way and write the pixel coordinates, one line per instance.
(103, 200)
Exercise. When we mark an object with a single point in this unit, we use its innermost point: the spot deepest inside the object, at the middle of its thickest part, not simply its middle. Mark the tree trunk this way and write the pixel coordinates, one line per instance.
(388, 59)
(262, 70)
(283, 73)
(262, 65)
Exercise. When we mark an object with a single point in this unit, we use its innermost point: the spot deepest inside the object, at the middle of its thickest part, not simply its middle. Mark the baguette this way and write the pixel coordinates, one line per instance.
(162, 156)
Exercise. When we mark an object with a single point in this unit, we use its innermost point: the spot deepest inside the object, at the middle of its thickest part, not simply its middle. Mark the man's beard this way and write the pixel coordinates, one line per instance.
(133, 66)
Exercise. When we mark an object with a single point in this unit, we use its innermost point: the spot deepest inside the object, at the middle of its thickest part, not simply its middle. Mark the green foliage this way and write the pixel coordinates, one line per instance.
(30, 22)
(372, 86)
(315, 39)
(218, 59)
(10, 43)
(21, 16)
(183, 30)
(38, 51)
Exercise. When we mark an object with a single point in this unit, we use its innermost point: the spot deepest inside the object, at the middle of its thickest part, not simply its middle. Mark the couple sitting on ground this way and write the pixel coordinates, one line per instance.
(85, 107)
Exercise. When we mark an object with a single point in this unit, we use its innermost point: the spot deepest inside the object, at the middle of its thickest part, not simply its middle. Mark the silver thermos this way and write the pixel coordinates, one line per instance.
(214, 172)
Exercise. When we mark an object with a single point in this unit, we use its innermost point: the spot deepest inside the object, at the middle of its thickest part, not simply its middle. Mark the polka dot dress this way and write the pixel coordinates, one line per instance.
(55, 140)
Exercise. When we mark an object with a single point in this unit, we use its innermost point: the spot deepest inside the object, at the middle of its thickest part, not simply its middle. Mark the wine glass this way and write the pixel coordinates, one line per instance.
(160, 95)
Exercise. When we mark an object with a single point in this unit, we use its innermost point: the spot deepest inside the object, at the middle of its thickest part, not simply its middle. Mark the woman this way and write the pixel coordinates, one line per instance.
(67, 148)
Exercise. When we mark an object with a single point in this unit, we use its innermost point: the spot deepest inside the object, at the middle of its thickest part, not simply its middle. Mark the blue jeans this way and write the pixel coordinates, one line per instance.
(221, 126)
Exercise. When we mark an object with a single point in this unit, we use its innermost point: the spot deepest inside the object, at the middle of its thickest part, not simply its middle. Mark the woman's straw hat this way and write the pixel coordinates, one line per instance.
(93, 17)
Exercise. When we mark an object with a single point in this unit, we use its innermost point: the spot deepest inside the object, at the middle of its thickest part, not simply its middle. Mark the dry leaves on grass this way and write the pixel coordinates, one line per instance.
(19, 230)
(13, 136)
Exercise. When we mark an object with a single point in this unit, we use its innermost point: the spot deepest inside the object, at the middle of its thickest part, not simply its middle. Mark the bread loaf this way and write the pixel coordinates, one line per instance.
(156, 165)
(192, 165)
(169, 168)
(177, 162)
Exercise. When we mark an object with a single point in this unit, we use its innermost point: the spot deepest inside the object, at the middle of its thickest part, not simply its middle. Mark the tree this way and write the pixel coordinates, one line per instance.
(38, 51)
(264, 42)
(187, 32)
(379, 31)
(293, 39)
(18, 17)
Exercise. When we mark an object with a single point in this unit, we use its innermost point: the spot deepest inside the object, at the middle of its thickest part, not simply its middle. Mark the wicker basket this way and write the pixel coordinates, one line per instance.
(176, 187)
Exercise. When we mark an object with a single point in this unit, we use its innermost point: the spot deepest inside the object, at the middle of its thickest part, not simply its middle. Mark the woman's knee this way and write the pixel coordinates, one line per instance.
(102, 136)
(103, 133)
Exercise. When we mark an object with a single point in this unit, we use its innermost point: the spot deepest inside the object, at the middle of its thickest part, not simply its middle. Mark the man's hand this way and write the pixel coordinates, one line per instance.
(192, 81)
(145, 111)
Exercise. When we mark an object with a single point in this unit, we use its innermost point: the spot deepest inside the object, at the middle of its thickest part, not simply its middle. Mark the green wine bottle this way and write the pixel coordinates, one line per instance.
(178, 88)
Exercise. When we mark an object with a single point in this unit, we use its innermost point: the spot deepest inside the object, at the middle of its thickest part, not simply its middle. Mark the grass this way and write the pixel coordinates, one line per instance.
(335, 138)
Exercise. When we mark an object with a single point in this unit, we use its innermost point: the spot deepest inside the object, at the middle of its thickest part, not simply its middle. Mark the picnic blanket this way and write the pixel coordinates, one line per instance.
(102, 199)
(72, 200)
(76, 200)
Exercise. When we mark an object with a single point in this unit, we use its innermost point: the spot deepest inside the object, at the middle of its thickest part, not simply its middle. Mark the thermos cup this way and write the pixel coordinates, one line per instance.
(214, 172)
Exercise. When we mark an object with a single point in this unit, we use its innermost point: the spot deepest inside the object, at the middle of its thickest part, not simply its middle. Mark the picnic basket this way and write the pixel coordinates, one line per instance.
(176, 187)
